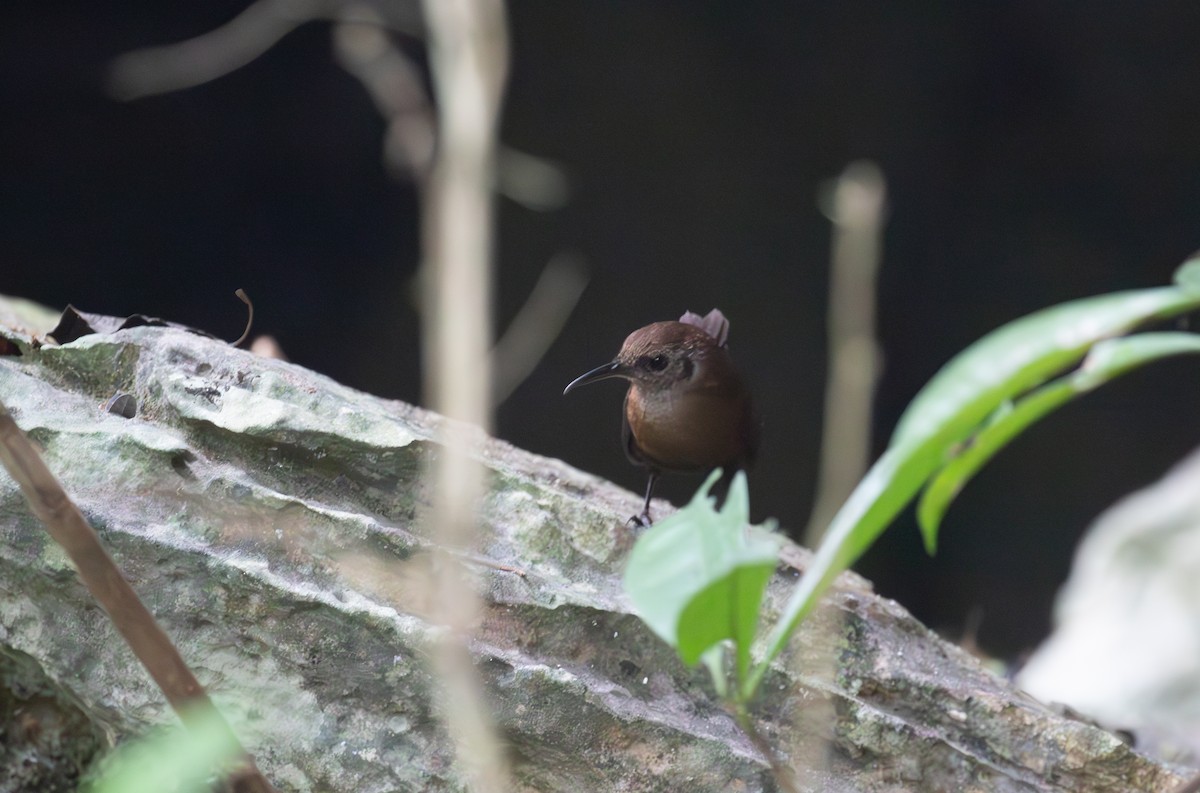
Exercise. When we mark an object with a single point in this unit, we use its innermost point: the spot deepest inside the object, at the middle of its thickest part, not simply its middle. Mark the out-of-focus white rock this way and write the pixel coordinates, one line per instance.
(1126, 649)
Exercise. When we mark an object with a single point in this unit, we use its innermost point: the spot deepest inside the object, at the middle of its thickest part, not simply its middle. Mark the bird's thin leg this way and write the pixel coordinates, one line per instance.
(644, 518)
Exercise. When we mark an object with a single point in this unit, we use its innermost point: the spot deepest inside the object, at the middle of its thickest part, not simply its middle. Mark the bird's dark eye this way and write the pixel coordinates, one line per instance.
(657, 363)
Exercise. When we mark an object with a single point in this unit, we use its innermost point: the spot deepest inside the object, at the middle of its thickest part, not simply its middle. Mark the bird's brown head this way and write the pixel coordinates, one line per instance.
(656, 358)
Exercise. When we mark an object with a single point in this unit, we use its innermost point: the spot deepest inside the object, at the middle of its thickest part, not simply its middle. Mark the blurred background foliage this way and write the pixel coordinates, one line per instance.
(1034, 153)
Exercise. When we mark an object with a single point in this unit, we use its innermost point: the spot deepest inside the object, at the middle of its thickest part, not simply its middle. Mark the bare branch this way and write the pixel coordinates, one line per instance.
(468, 46)
(363, 49)
(394, 82)
(172, 67)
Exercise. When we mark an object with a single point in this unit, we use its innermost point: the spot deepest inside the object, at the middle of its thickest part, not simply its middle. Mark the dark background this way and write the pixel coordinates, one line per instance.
(1034, 153)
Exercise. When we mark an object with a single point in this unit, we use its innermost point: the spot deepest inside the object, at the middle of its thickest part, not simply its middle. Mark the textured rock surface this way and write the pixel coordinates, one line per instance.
(268, 517)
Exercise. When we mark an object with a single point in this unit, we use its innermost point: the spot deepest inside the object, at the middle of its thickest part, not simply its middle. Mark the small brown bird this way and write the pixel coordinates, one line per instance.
(687, 408)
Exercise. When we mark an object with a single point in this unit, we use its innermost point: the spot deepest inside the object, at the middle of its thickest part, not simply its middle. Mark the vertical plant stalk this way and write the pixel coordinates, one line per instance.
(67, 526)
(468, 50)
(856, 208)
(784, 776)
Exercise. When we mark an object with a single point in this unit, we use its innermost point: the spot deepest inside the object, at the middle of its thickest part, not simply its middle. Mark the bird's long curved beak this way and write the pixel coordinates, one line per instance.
(613, 369)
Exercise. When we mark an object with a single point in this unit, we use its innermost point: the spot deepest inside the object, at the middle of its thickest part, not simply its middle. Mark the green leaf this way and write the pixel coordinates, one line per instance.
(726, 609)
(1113, 358)
(697, 578)
(177, 760)
(1107, 360)
(973, 387)
(1024, 354)
(1188, 273)
(1010, 361)
(947, 483)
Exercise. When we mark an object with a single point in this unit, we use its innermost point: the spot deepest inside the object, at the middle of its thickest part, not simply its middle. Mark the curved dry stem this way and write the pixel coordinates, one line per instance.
(241, 295)
(67, 526)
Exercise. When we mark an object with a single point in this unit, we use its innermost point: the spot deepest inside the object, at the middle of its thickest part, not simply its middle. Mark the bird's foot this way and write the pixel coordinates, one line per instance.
(642, 521)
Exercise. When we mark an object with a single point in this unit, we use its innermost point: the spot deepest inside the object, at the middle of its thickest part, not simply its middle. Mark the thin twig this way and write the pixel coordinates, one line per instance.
(67, 526)
(857, 211)
(537, 324)
(533, 182)
(216, 53)
(160, 70)
(396, 86)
